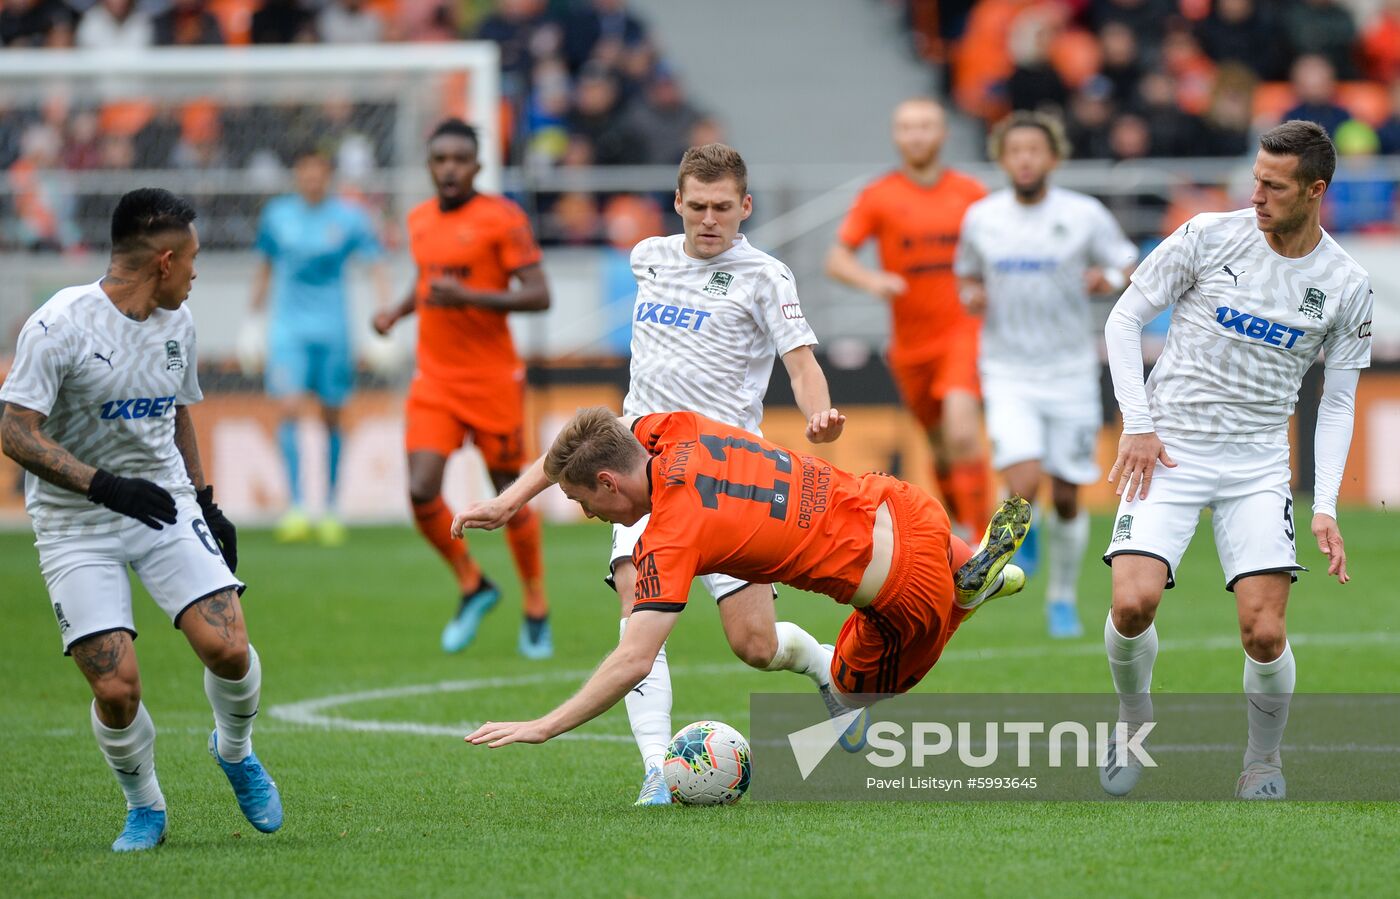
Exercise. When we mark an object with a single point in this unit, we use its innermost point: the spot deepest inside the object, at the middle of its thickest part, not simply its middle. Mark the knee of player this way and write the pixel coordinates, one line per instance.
(1263, 641)
(1066, 503)
(754, 649)
(227, 660)
(422, 491)
(1133, 611)
(118, 698)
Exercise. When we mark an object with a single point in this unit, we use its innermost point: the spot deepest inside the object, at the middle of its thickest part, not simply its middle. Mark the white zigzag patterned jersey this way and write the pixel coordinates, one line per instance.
(1248, 324)
(1032, 261)
(109, 386)
(705, 331)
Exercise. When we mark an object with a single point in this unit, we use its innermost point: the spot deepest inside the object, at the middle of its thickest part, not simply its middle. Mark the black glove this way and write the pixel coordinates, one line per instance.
(219, 525)
(148, 503)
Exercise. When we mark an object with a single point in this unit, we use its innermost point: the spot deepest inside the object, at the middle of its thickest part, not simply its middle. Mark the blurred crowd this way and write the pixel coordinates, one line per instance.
(1183, 78)
(583, 84)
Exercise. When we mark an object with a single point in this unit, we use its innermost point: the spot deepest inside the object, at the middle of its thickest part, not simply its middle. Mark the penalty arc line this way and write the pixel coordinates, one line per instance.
(313, 712)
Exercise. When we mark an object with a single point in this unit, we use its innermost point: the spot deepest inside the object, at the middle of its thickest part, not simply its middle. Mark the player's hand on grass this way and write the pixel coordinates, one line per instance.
(220, 527)
(887, 285)
(484, 516)
(150, 504)
(825, 426)
(1138, 455)
(1329, 541)
(496, 734)
(384, 321)
(448, 292)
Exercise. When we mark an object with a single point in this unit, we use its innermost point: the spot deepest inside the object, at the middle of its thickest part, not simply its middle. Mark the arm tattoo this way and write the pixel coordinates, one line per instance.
(101, 655)
(220, 611)
(188, 445)
(21, 433)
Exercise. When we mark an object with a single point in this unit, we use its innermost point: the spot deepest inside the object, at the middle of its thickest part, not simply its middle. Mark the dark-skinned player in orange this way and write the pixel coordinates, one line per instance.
(477, 262)
(725, 500)
(914, 214)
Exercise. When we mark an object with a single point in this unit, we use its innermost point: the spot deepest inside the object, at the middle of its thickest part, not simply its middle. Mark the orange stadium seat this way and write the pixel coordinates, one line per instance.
(235, 18)
(1365, 100)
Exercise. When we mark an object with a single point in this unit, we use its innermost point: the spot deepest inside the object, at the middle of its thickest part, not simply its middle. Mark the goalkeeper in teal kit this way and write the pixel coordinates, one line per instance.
(306, 240)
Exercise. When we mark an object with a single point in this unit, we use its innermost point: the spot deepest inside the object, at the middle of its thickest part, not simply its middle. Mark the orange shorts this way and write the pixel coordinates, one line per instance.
(924, 384)
(435, 425)
(888, 646)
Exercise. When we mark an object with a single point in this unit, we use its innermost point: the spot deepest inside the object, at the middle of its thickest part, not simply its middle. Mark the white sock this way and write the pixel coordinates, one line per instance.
(1066, 541)
(1130, 661)
(799, 651)
(649, 709)
(1268, 686)
(235, 704)
(131, 754)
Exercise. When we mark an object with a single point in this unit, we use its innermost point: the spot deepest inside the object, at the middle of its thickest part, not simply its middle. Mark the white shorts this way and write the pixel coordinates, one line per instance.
(88, 585)
(625, 539)
(1246, 485)
(1054, 421)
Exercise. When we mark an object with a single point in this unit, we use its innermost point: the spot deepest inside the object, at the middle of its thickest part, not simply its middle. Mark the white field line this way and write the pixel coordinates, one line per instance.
(313, 712)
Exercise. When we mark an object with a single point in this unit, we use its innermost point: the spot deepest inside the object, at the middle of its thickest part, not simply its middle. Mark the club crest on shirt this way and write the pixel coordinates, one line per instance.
(1312, 303)
(174, 359)
(1123, 530)
(718, 285)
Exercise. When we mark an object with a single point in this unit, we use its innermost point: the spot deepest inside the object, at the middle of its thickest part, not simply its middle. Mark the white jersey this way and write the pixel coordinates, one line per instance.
(109, 386)
(1032, 260)
(1248, 324)
(705, 331)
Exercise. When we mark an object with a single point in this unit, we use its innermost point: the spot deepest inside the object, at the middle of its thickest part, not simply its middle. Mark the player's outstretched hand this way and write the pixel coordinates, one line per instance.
(448, 292)
(219, 526)
(1329, 540)
(1138, 455)
(484, 516)
(496, 734)
(384, 322)
(150, 504)
(825, 426)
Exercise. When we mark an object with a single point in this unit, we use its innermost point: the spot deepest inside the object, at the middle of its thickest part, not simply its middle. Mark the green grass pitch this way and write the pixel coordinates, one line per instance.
(420, 813)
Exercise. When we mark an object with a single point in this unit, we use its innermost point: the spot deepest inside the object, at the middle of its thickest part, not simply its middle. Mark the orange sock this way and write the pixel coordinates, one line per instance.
(970, 489)
(434, 521)
(523, 535)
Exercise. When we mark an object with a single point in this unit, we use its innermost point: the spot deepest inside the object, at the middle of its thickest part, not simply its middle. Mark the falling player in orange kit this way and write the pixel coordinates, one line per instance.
(725, 500)
(470, 381)
(915, 213)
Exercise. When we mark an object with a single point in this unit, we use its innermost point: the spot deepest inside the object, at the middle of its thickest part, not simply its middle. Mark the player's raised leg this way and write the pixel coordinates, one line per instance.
(125, 734)
(1269, 676)
(649, 702)
(1130, 639)
(215, 629)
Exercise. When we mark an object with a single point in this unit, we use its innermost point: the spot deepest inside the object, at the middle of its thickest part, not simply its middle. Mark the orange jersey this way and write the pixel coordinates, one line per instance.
(917, 231)
(725, 500)
(468, 352)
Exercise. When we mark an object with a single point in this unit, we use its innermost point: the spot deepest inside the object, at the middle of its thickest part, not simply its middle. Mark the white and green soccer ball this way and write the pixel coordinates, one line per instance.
(707, 763)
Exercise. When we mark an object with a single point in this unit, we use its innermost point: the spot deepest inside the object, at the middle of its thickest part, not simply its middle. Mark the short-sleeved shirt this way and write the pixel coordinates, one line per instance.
(1247, 326)
(1032, 260)
(308, 248)
(468, 351)
(109, 387)
(705, 332)
(726, 500)
(917, 229)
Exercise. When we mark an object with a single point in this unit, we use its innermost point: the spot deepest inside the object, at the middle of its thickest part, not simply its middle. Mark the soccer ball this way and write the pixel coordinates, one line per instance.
(707, 763)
